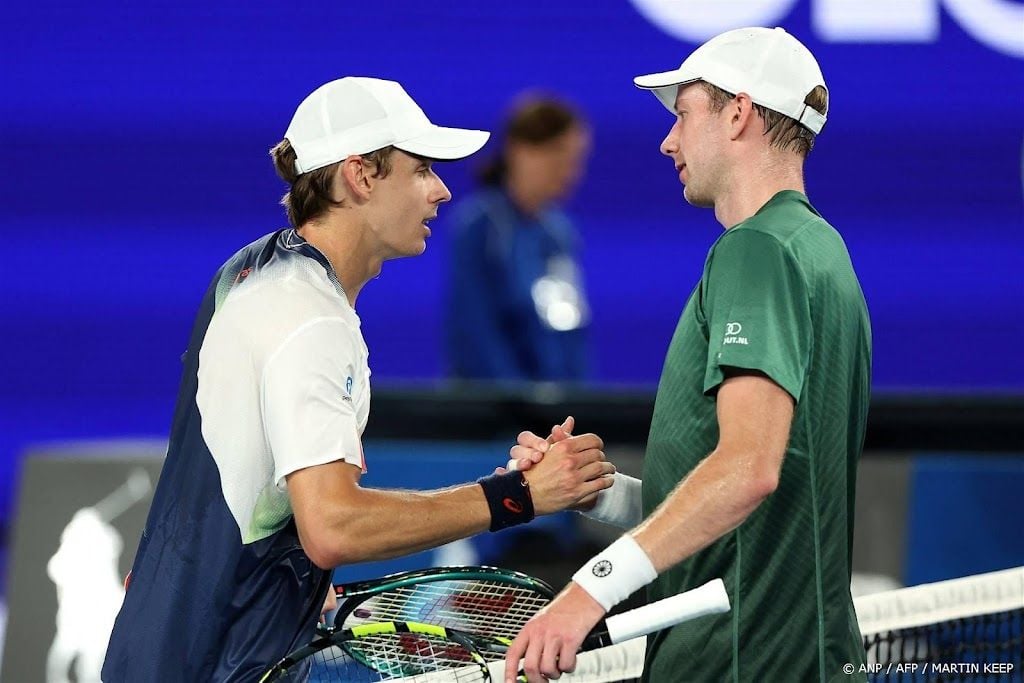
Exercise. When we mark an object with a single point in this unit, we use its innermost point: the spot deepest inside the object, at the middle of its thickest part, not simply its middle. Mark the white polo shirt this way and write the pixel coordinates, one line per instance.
(283, 384)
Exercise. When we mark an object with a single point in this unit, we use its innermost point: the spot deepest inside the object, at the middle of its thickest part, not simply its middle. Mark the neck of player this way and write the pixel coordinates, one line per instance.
(348, 246)
(754, 186)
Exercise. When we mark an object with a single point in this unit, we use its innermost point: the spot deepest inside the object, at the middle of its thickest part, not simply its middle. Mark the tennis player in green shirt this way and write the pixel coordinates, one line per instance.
(759, 420)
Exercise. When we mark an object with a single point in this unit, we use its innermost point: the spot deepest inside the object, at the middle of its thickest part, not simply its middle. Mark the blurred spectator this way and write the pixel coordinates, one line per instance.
(516, 308)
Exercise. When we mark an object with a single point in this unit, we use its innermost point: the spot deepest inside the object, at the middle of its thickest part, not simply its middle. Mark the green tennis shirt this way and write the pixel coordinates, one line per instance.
(779, 296)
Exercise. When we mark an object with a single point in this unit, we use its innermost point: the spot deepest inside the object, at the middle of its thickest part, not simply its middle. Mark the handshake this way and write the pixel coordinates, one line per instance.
(565, 471)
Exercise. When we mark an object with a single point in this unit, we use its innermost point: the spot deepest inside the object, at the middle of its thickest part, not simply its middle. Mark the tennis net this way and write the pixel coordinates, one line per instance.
(622, 663)
(967, 629)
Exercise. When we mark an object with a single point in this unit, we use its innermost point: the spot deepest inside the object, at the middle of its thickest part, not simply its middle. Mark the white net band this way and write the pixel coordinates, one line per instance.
(933, 603)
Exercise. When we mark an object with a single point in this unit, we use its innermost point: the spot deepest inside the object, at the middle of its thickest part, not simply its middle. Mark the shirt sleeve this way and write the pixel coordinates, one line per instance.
(757, 310)
(308, 410)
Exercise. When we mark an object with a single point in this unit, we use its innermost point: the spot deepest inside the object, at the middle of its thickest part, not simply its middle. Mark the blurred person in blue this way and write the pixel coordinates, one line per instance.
(260, 497)
(517, 308)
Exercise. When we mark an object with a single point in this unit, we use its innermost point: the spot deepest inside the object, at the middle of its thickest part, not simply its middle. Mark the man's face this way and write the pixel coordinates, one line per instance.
(695, 143)
(404, 202)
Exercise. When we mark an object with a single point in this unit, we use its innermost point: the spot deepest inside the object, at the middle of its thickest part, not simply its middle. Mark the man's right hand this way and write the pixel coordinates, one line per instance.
(569, 471)
(530, 448)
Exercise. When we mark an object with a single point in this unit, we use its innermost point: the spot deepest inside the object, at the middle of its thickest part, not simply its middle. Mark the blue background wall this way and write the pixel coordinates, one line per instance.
(134, 163)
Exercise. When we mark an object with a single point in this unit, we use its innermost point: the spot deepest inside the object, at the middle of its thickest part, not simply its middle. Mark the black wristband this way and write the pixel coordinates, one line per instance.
(508, 497)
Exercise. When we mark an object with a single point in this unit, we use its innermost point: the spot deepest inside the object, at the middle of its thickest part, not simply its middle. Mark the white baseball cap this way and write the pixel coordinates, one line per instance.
(768, 64)
(360, 115)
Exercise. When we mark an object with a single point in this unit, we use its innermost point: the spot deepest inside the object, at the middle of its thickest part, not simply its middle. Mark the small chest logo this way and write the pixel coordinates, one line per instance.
(602, 569)
(243, 274)
(348, 390)
(732, 334)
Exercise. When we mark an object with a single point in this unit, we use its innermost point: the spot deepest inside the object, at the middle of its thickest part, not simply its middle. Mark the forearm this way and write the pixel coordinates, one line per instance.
(714, 499)
(621, 505)
(377, 524)
(340, 522)
(754, 417)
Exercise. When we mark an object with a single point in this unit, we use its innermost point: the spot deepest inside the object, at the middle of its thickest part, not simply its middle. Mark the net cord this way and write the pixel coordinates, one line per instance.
(934, 603)
(606, 665)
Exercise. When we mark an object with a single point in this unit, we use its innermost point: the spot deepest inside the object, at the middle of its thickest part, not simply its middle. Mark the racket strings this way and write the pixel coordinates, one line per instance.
(410, 657)
(406, 654)
(492, 608)
(482, 607)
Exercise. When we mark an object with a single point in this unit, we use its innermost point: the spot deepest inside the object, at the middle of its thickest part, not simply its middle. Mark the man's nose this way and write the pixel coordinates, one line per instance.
(670, 144)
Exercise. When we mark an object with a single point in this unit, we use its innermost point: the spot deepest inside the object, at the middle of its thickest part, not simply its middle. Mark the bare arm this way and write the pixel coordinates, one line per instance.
(340, 522)
(754, 419)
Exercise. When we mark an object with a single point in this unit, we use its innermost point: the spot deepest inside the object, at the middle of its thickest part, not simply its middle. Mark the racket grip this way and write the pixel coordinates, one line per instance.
(710, 598)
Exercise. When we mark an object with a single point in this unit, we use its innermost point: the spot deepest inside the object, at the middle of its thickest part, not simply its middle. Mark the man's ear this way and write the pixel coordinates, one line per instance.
(741, 113)
(354, 179)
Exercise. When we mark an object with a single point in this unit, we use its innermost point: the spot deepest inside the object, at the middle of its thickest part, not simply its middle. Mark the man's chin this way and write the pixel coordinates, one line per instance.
(694, 198)
(411, 250)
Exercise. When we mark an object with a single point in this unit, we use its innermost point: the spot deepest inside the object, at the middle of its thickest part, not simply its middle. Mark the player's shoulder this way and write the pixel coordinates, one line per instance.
(787, 222)
(785, 216)
(281, 265)
(748, 240)
(250, 256)
(276, 297)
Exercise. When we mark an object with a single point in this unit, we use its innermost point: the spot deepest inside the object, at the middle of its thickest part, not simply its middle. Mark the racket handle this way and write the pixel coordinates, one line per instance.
(710, 598)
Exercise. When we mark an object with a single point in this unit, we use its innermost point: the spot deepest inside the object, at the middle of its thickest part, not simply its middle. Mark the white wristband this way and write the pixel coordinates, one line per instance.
(616, 573)
(621, 505)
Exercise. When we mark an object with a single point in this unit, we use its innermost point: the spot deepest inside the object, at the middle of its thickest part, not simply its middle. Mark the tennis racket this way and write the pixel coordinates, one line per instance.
(484, 600)
(426, 653)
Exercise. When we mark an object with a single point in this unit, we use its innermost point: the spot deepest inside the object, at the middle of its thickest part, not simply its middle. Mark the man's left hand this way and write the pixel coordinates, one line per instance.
(549, 641)
(330, 604)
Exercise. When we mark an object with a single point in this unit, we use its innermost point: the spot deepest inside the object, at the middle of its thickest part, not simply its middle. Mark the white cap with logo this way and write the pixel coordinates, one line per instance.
(770, 65)
(360, 115)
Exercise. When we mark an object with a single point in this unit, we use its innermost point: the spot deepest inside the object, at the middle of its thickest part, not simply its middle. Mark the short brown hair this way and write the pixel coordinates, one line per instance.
(309, 194)
(782, 131)
(534, 120)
